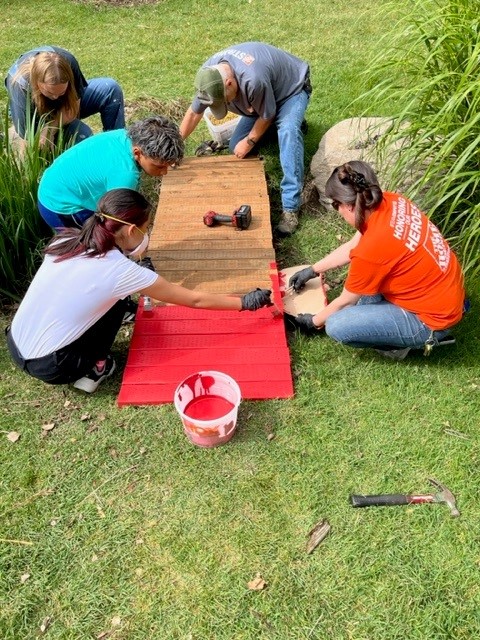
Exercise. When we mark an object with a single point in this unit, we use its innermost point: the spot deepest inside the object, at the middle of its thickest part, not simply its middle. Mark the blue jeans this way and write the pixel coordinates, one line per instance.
(288, 122)
(60, 221)
(375, 322)
(103, 96)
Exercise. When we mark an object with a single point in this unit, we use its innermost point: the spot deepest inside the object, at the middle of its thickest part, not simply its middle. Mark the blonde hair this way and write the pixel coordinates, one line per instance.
(49, 68)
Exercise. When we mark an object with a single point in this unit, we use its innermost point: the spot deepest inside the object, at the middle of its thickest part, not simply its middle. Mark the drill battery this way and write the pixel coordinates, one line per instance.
(240, 219)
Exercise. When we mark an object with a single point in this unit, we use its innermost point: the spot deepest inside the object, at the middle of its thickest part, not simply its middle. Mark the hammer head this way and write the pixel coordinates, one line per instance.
(445, 496)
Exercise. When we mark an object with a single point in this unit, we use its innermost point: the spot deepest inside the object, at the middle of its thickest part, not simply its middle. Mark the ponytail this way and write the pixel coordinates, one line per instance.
(356, 184)
(97, 236)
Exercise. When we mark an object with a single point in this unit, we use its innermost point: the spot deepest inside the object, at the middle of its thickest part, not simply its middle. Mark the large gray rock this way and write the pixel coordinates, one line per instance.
(351, 139)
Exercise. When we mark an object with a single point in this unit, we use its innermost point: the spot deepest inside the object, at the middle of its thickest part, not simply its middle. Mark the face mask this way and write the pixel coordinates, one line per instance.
(141, 248)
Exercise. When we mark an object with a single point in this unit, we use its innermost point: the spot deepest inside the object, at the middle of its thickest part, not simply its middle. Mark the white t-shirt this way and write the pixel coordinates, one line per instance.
(66, 298)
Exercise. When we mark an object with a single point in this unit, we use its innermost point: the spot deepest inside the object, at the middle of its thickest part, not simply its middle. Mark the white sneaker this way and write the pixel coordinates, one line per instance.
(90, 382)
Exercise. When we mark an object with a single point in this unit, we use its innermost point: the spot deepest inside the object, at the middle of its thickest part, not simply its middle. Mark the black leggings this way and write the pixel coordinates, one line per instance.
(78, 358)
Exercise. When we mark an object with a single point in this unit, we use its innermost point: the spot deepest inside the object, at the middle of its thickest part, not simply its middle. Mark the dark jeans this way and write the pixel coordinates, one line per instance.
(59, 221)
(76, 359)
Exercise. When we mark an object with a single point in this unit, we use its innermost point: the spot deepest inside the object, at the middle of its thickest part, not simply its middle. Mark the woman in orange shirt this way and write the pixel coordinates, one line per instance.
(404, 289)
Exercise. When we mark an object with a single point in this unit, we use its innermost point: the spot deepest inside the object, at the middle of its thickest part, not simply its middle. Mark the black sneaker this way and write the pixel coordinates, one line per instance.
(90, 382)
(394, 354)
(445, 341)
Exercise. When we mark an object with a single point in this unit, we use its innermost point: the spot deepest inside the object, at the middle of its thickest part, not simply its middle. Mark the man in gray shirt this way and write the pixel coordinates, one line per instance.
(266, 86)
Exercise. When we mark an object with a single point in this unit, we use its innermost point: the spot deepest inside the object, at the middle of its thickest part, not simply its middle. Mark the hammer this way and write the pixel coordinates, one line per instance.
(240, 219)
(391, 499)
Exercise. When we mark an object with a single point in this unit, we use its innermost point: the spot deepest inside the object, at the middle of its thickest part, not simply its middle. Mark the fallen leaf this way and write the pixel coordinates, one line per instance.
(317, 534)
(13, 436)
(48, 427)
(67, 403)
(85, 416)
(102, 635)
(116, 621)
(47, 621)
(24, 577)
(257, 584)
(270, 436)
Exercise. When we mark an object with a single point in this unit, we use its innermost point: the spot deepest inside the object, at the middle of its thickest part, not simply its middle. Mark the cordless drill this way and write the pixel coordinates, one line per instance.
(240, 219)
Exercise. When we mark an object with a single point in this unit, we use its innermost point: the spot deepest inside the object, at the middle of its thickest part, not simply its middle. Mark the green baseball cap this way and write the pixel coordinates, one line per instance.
(211, 91)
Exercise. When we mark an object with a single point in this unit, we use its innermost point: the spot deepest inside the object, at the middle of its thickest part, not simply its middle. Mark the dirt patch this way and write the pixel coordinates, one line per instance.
(146, 106)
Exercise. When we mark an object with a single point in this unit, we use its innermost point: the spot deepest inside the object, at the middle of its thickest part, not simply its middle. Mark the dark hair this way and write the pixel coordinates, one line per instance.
(158, 138)
(355, 183)
(97, 236)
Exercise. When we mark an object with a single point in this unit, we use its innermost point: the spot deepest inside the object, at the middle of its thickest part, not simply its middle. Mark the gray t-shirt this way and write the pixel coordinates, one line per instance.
(266, 76)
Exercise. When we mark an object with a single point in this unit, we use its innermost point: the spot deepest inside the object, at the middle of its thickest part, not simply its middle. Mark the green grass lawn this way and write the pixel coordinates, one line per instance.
(112, 525)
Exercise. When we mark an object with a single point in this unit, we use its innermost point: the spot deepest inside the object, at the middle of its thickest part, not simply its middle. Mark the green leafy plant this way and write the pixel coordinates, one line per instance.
(430, 67)
(22, 230)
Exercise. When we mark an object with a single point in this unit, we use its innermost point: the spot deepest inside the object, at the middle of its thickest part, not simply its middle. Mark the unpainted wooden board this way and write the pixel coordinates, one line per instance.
(239, 260)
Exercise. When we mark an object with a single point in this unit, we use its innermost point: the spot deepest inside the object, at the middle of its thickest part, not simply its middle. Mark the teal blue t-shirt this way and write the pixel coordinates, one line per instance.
(80, 176)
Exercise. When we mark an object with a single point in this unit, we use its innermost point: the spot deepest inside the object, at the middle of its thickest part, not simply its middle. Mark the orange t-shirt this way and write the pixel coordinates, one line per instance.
(403, 256)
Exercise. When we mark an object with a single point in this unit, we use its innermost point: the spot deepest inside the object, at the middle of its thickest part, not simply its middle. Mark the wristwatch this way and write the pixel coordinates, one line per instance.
(251, 142)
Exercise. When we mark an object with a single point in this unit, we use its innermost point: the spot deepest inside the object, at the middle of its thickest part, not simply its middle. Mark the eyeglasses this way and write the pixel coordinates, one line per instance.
(336, 204)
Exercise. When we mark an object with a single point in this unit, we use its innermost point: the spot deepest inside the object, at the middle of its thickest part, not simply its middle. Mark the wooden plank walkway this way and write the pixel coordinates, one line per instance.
(218, 259)
(174, 342)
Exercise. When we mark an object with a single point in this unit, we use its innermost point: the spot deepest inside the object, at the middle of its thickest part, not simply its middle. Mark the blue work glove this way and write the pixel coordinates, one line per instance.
(256, 299)
(300, 279)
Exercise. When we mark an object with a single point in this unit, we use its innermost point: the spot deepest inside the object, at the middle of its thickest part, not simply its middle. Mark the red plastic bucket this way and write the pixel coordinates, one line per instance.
(207, 403)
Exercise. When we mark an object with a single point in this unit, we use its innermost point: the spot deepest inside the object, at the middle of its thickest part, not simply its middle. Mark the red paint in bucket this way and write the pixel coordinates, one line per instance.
(208, 404)
(208, 408)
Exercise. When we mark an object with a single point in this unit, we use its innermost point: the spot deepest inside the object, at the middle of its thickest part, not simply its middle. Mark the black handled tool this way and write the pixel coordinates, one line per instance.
(392, 499)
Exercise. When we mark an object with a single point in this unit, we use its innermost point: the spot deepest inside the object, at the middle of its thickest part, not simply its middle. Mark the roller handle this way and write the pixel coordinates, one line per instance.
(224, 219)
(387, 500)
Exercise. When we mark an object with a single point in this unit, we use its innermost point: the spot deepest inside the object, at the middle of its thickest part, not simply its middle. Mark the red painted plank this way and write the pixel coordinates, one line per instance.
(207, 326)
(159, 394)
(266, 374)
(148, 356)
(197, 341)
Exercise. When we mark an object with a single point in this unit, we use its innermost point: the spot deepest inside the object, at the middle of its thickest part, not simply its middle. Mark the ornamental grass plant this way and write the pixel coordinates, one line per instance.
(22, 230)
(429, 66)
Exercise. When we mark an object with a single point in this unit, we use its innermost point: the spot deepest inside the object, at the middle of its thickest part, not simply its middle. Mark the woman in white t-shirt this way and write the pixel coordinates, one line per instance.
(67, 322)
